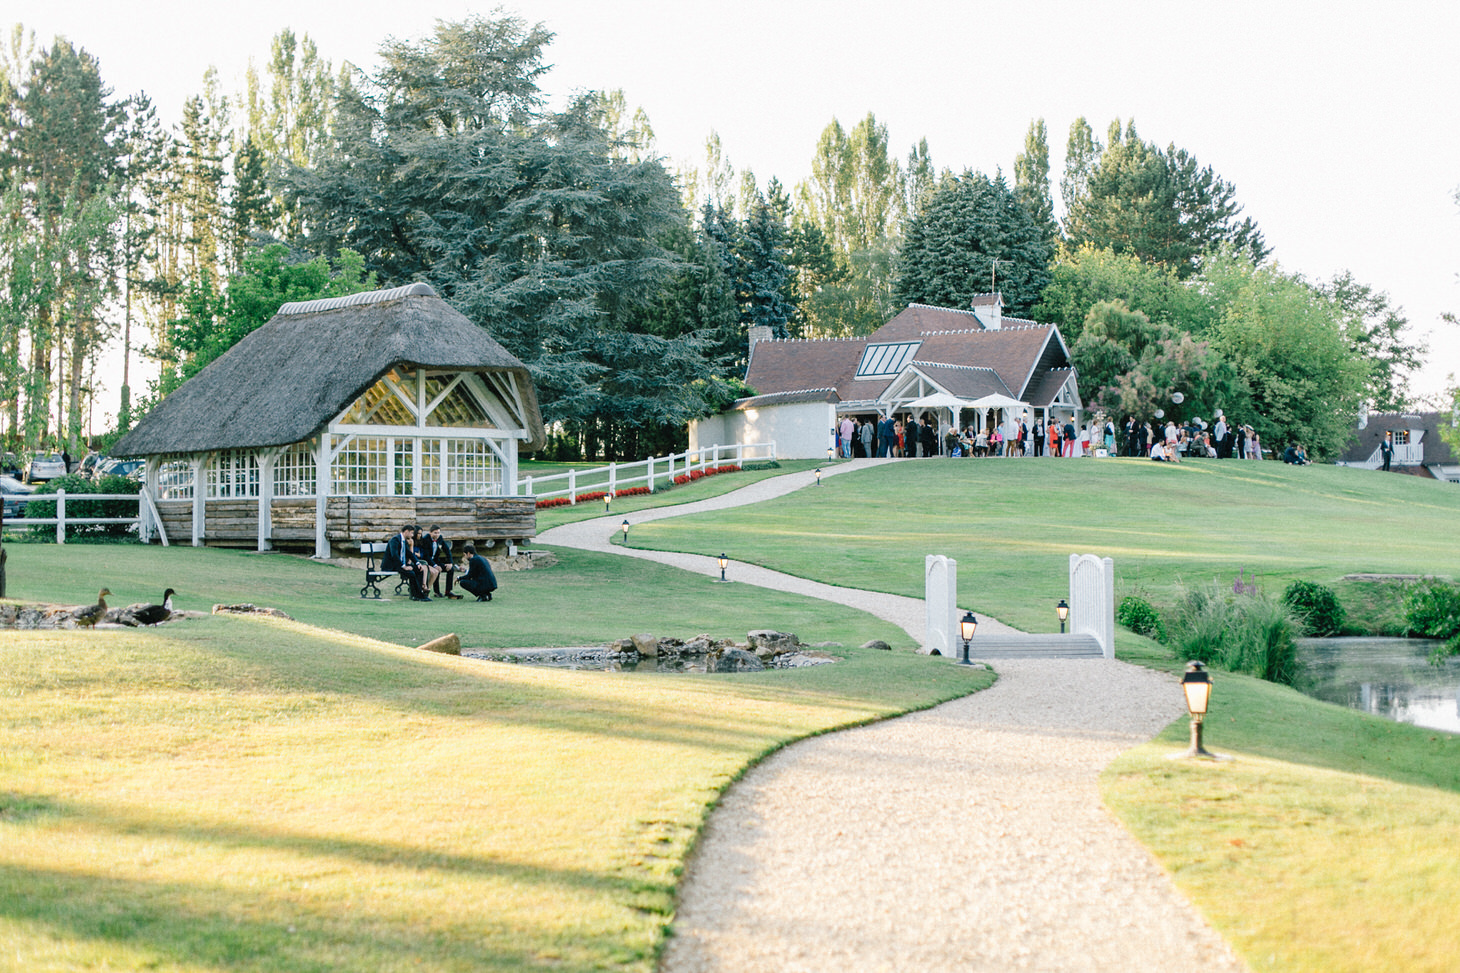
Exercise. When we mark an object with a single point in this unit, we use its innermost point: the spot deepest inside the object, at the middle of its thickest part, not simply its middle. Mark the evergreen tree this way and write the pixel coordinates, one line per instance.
(1031, 180)
(446, 169)
(949, 248)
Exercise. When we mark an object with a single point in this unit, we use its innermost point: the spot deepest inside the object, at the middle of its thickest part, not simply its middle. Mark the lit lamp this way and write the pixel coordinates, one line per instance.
(818, 476)
(1063, 611)
(723, 562)
(607, 502)
(1197, 685)
(625, 526)
(830, 453)
(967, 625)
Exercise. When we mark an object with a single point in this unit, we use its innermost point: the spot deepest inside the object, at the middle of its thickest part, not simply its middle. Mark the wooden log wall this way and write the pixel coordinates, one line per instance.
(351, 520)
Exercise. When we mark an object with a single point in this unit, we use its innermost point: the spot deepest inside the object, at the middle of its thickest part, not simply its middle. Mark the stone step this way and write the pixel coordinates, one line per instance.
(1032, 647)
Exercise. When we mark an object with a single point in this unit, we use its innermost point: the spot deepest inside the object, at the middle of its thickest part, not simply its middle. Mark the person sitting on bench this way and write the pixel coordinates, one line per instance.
(437, 552)
(400, 556)
(479, 579)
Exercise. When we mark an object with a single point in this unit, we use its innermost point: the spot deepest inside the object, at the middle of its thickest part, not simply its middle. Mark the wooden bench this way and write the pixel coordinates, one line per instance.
(373, 574)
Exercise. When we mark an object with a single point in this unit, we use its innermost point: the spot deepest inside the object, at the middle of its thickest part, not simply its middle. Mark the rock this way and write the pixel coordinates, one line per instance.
(668, 646)
(768, 644)
(621, 646)
(738, 660)
(877, 644)
(247, 609)
(699, 645)
(797, 660)
(646, 645)
(826, 645)
(446, 645)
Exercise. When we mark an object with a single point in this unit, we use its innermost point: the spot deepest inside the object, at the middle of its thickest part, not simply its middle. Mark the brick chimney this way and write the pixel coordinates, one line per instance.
(760, 332)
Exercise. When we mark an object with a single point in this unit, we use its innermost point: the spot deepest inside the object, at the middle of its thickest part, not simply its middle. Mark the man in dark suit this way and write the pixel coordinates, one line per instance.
(479, 579)
(436, 551)
(400, 556)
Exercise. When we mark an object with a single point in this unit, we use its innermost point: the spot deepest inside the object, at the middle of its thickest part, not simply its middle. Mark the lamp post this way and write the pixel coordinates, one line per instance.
(1197, 685)
(625, 526)
(818, 476)
(723, 562)
(607, 502)
(967, 625)
(1063, 611)
(830, 453)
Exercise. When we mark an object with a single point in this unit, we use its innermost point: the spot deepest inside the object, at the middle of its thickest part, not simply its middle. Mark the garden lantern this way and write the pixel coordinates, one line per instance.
(625, 526)
(723, 562)
(818, 476)
(830, 453)
(1197, 685)
(1063, 611)
(607, 502)
(967, 625)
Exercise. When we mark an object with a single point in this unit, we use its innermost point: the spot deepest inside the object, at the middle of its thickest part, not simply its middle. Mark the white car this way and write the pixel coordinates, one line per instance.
(45, 467)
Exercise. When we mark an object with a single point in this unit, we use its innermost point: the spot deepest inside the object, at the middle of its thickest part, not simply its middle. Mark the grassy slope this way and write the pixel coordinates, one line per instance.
(264, 795)
(1012, 525)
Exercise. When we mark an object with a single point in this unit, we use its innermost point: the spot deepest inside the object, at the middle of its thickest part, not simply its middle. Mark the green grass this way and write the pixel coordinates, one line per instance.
(1012, 526)
(1327, 845)
(243, 794)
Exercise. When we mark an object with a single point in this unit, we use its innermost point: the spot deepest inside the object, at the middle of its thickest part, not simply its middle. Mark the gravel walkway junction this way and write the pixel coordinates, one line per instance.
(966, 837)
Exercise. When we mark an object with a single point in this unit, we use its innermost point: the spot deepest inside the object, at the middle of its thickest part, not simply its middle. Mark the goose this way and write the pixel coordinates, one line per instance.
(88, 617)
(154, 614)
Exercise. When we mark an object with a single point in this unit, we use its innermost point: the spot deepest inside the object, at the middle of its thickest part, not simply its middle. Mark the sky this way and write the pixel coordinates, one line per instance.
(1336, 121)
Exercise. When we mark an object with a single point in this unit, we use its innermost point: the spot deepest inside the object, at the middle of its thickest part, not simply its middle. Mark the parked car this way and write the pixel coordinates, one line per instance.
(15, 496)
(44, 467)
(10, 465)
(90, 465)
(130, 468)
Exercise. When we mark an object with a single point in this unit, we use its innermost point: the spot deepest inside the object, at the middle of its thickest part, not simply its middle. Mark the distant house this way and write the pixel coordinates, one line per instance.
(805, 386)
(338, 421)
(1418, 448)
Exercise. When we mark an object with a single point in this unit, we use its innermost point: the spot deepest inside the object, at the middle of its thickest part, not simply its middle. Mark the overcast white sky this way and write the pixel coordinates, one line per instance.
(1336, 121)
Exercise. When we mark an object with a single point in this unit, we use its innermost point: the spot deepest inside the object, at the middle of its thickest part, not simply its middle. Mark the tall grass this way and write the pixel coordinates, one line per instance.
(1247, 632)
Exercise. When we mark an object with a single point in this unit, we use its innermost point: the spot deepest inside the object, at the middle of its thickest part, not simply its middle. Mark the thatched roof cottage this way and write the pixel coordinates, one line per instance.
(339, 420)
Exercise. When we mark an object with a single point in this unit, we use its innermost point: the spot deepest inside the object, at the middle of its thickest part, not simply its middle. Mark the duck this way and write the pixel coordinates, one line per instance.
(155, 614)
(88, 617)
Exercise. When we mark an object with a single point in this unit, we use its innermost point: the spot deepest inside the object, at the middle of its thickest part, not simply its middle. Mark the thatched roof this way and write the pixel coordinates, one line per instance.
(286, 381)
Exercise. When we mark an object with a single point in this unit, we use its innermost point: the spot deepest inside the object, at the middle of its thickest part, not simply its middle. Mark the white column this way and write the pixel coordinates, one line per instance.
(266, 460)
(200, 498)
(940, 601)
(60, 516)
(144, 510)
(321, 494)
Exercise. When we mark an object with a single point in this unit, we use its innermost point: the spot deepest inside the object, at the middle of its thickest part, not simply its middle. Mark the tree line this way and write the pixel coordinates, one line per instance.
(626, 285)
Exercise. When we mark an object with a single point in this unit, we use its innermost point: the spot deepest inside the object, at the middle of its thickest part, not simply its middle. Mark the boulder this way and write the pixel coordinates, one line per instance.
(877, 644)
(767, 644)
(446, 644)
(699, 645)
(669, 646)
(647, 645)
(738, 660)
(248, 609)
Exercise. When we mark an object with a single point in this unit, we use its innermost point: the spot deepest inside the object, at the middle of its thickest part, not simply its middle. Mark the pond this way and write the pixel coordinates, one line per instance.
(1388, 677)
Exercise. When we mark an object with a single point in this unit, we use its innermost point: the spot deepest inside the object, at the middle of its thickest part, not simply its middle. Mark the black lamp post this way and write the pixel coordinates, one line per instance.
(1197, 685)
(967, 625)
(830, 453)
(1063, 611)
(607, 502)
(818, 476)
(625, 526)
(723, 562)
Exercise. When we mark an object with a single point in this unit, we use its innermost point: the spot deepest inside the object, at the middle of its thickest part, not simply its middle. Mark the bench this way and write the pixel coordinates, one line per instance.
(374, 574)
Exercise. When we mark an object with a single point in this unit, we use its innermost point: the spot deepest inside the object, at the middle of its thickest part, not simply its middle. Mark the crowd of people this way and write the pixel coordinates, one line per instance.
(423, 558)
(913, 436)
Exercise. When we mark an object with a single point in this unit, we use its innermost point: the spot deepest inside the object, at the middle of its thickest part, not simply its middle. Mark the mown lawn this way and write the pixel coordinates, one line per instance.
(1012, 525)
(243, 794)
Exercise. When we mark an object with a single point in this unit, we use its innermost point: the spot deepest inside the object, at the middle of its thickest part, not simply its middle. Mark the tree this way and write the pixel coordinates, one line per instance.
(1288, 341)
(1449, 426)
(1179, 363)
(446, 169)
(855, 190)
(949, 249)
(1377, 330)
(1160, 206)
(1031, 180)
(1084, 277)
(1082, 155)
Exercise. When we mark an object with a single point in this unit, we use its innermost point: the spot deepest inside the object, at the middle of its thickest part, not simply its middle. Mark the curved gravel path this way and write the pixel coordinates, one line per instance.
(967, 837)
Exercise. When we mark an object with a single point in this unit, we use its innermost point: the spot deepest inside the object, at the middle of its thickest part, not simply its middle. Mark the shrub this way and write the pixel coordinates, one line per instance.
(1316, 607)
(1253, 634)
(1432, 610)
(1140, 617)
(76, 487)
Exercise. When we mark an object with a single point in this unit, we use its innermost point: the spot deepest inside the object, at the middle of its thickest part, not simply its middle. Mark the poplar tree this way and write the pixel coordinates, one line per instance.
(1031, 180)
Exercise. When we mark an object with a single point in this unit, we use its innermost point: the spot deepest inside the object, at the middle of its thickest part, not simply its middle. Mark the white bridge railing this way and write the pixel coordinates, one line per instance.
(61, 519)
(652, 472)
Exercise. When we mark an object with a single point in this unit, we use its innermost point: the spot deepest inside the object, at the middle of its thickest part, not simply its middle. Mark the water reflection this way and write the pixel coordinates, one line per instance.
(1392, 678)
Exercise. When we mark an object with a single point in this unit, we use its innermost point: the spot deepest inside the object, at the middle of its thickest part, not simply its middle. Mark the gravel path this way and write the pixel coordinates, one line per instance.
(967, 837)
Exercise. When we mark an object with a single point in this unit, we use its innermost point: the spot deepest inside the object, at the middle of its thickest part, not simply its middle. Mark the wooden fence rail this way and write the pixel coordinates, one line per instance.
(648, 472)
(61, 519)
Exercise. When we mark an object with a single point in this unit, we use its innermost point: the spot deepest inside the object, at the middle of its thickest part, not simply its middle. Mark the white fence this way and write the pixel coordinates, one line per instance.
(652, 472)
(61, 519)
